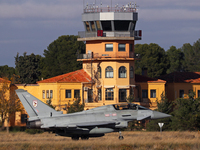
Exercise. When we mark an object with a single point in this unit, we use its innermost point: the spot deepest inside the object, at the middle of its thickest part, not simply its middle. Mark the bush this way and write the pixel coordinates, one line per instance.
(34, 131)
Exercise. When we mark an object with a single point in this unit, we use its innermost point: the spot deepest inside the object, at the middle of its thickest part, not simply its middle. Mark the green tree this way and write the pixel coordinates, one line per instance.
(61, 56)
(191, 56)
(186, 114)
(6, 71)
(164, 106)
(27, 67)
(76, 106)
(153, 58)
(175, 58)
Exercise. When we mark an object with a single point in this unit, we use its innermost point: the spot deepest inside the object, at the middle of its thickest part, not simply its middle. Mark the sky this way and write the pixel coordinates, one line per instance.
(31, 25)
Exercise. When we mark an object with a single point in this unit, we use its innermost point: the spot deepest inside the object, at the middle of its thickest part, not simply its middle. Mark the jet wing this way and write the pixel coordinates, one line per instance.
(84, 124)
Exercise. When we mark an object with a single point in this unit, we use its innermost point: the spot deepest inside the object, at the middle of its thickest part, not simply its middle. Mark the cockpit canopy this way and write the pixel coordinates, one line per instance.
(129, 107)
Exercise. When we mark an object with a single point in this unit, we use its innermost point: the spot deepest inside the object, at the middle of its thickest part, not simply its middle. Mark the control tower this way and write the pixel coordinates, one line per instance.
(109, 59)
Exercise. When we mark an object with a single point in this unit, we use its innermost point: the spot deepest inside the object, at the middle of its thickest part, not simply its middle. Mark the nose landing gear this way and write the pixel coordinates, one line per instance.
(120, 136)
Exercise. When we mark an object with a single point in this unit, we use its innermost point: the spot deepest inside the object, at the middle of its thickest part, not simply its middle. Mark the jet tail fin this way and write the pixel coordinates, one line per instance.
(33, 106)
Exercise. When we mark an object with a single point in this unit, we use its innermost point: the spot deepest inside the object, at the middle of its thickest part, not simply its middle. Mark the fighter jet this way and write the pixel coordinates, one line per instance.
(85, 124)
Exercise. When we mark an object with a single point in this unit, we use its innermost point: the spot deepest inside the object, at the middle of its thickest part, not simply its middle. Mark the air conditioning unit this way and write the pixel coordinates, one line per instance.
(84, 56)
(85, 88)
(90, 54)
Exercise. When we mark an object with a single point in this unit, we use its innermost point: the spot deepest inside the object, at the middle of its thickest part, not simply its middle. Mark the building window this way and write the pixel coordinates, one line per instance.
(109, 94)
(153, 93)
(109, 72)
(144, 93)
(43, 94)
(99, 95)
(131, 47)
(23, 118)
(68, 94)
(51, 93)
(122, 47)
(198, 93)
(181, 94)
(122, 95)
(76, 93)
(131, 72)
(109, 47)
(99, 72)
(47, 93)
(90, 95)
(122, 72)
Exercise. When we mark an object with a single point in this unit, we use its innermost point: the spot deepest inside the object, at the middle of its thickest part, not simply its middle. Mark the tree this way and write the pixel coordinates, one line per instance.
(186, 114)
(175, 58)
(76, 106)
(153, 58)
(61, 56)
(164, 106)
(27, 67)
(191, 56)
(6, 71)
(9, 102)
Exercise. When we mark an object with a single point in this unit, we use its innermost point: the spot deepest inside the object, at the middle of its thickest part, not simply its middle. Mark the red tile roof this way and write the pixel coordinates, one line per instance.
(76, 76)
(3, 80)
(141, 78)
(182, 77)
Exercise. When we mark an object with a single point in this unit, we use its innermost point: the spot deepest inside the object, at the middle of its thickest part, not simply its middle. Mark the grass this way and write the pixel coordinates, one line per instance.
(132, 140)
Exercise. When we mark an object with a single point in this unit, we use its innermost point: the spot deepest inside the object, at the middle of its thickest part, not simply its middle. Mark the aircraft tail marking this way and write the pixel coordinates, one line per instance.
(33, 106)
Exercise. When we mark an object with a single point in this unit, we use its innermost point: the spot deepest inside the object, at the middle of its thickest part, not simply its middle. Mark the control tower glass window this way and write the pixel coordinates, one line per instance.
(109, 47)
(106, 25)
(93, 26)
(122, 47)
(98, 25)
(87, 26)
(121, 25)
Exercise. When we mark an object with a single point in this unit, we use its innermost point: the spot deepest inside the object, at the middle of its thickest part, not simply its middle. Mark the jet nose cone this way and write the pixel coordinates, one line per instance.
(159, 115)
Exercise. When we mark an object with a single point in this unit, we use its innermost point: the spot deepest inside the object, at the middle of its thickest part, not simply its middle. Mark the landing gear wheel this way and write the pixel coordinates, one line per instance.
(84, 137)
(76, 138)
(121, 137)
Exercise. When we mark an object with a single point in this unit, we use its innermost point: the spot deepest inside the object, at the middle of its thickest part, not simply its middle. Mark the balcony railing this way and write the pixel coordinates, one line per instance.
(97, 9)
(97, 55)
(83, 34)
(137, 34)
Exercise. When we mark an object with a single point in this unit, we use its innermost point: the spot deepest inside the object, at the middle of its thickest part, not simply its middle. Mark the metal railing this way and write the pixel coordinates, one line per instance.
(97, 55)
(97, 9)
(84, 34)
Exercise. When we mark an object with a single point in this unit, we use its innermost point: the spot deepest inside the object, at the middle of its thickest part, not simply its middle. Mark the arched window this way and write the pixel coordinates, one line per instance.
(122, 72)
(131, 72)
(109, 72)
(99, 72)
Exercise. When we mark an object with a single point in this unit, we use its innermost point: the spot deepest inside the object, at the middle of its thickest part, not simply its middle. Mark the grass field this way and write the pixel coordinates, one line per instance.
(132, 140)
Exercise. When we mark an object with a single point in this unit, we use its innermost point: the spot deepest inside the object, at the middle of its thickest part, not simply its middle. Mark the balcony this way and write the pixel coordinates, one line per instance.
(112, 34)
(107, 56)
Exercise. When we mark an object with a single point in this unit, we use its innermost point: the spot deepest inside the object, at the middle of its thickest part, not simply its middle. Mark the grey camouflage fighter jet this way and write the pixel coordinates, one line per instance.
(90, 123)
